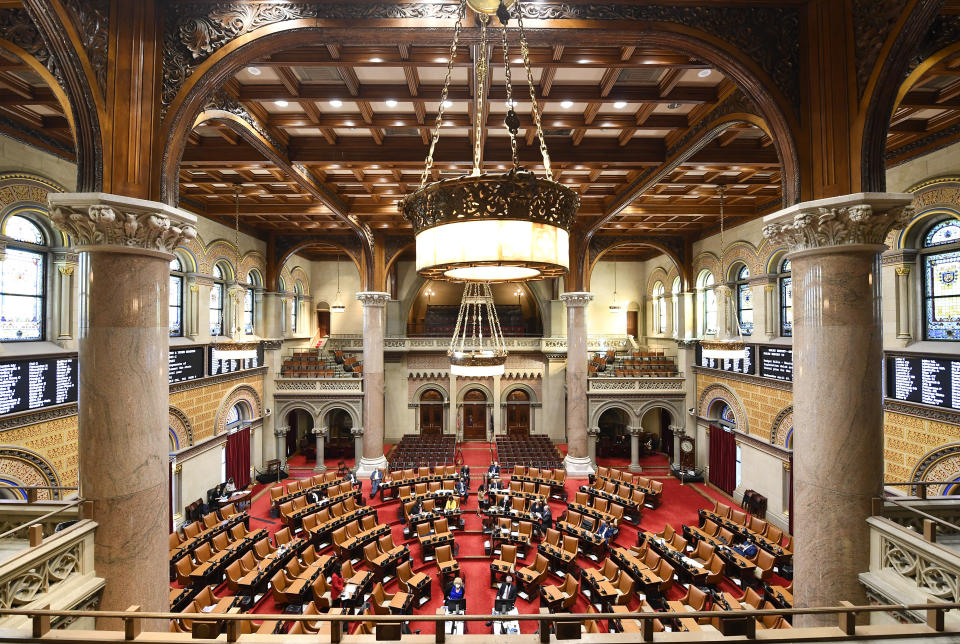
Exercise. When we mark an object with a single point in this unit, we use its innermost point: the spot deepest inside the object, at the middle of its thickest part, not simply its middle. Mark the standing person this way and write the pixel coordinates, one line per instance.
(506, 596)
(375, 477)
(336, 588)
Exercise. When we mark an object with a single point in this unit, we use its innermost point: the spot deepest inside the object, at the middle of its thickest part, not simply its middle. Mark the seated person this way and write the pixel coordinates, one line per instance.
(375, 477)
(604, 531)
(460, 489)
(493, 472)
(312, 496)
(505, 502)
(451, 504)
(417, 508)
(546, 517)
(747, 549)
(455, 597)
(230, 488)
(465, 475)
(352, 478)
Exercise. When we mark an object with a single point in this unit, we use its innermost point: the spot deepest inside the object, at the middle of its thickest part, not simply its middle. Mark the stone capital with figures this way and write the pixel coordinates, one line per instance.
(99, 221)
(373, 298)
(864, 218)
(576, 298)
(280, 431)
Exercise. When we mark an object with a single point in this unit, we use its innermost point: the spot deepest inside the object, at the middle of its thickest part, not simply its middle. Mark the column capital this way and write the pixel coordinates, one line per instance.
(319, 431)
(857, 219)
(593, 432)
(280, 431)
(373, 298)
(99, 221)
(576, 298)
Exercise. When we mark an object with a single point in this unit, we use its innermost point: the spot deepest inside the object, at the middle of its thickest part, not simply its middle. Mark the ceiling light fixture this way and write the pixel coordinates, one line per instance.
(703, 73)
(673, 106)
(620, 105)
(391, 102)
(335, 102)
(566, 104)
(486, 227)
(447, 104)
(253, 71)
(281, 103)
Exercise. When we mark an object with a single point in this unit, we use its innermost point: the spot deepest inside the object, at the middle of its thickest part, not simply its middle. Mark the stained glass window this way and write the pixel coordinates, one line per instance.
(22, 275)
(248, 312)
(295, 307)
(708, 303)
(176, 298)
(946, 232)
(744, 301)
(942, 295)
(216, 302)
(786, 299)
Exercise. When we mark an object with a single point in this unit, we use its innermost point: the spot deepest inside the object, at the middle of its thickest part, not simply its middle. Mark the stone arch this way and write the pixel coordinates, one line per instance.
(706, 261)
(320, 418)
(24, 192)
(181, 428)
(300, 275)
(781, 433)
(220, 250)
(462, 390)
(244, 393)
(431, 385)
(530, 391)
(196, 251)
(26, 467)
(776, 257)
(931, 198)
(613, 404)
(744, 252)
(252, 261)
(940, 464)
(716, 392)
(672, 407)
(187, 261)
(659, 274)
(305, 406)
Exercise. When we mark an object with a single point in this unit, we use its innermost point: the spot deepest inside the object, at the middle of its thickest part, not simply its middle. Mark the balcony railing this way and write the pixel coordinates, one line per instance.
(534, 344)
(284, 386)
(661, 385)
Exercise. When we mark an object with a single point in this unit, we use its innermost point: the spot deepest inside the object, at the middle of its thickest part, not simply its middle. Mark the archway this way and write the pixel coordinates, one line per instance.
(614, 436)
(431, 412)
(655, 432)
(722, 414)
(339, 441)
(518, 413)
(300, 435)
(474, 415)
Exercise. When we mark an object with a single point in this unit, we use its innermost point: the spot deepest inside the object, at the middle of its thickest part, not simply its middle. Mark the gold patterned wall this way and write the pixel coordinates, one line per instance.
(908, 438)
(54, 440)
(761, 404)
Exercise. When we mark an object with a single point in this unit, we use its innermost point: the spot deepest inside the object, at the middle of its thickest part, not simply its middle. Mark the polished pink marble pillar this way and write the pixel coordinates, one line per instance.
(374, 321)
(834, 246)
(577, 462)
(123, 387)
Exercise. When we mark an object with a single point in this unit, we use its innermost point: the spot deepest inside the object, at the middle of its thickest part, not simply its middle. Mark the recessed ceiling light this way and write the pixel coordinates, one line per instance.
(583, 61)
(673, 106)
(281, 103)
(335, 102)
(440, 60)
(391, 102)
(398, 123)
(448, 104)
(703, 73)
(348, 123)
(566, 104)
(253, 71)
(620, 105)
(376, 59)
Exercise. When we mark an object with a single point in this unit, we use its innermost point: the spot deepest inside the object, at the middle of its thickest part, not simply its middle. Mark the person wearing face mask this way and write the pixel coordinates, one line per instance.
(455, 597)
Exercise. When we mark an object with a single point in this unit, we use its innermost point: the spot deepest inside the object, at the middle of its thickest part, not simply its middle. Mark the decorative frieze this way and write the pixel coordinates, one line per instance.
(576, 298)
(377, 299)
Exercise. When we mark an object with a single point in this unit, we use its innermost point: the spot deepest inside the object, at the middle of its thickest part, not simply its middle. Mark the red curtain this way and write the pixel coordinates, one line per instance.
(723, 459)
(238, 458)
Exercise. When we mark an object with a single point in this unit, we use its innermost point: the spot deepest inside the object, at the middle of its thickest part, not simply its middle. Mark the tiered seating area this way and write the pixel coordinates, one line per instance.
(310, 364)
(535, 450)
(637, 364)
(415, 450)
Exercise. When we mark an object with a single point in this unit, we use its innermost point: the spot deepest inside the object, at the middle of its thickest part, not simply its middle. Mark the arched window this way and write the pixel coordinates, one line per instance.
(253, 281)
(216, 300)
(941, 281)
(176, 297)
(707, 304)
(22, 281)
(675, 292)
(236, 415)
(786, 299)
(295, 307)
(659, 309)
(744, 301)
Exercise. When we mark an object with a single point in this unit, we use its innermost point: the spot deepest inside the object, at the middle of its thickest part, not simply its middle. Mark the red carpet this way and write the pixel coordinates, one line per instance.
(680, 506)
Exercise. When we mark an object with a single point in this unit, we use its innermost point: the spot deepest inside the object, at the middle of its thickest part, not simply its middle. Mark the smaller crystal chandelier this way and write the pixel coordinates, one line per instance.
(616, 306)
(477, 347)
(237, 291)
(726, 346)
(337, 306)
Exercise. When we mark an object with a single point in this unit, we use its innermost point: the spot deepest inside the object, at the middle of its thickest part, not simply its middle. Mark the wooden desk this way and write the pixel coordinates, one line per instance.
(400, 603)
(239, 497)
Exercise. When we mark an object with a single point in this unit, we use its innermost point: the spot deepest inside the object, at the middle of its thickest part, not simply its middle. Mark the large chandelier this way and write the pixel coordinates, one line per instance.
(726, 346)
(491, 227)
(477, 347)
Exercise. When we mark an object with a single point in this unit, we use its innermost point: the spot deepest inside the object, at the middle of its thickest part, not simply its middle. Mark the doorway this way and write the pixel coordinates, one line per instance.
(323, 323)
(431, 412)
(475, 416)
(614, 437)
(518, 413)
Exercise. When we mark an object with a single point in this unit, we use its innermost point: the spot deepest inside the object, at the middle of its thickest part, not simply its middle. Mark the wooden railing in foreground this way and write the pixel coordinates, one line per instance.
(735, 626)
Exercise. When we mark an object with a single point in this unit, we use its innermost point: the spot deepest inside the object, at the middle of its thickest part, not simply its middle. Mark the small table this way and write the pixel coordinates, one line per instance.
(241, 498)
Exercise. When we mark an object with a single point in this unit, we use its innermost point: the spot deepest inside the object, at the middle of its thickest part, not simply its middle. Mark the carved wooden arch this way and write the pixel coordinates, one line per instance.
(717, 391)
(79, 84)
(393, 254)
(600, 246)
(886, 83)
(351, 253)
(47, 76)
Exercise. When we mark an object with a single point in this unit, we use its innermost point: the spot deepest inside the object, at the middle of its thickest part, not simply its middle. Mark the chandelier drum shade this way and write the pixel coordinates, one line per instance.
(492, 227)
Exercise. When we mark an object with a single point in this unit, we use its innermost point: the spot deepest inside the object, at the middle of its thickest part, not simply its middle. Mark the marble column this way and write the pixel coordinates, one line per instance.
(123, 394)
(834, 246)
(634, 449)
(577, 462)
(374, 322)
(321, 434)
(904, 326)
(272, 315)
(357, 433)
(498, 421)
(281, 435)
(453, 407)
(592, 434)
(64, 281)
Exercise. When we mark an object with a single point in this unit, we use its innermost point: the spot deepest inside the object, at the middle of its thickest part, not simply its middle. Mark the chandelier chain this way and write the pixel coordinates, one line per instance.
(479, 103)
(508, 82)
(525, 52)
(722, 190)
(428, 164)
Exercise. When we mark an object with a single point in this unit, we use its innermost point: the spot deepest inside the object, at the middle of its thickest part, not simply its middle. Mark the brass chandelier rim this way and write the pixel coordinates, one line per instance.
(473, 359)
(439, 271)
(437, 204)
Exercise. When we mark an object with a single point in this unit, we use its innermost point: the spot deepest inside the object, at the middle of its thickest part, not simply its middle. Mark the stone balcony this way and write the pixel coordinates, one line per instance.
(548, 345)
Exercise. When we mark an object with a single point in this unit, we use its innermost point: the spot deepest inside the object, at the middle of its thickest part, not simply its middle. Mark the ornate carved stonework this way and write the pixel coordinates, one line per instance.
(32, 469)
(210, 380)
(106, 225)
(373, 298)
(223, 102)
(745, 377)
(39, 580)
(873, 21)
(576, 298)
(91, 19)
(921, 411)
(823, 227)
(17, 27)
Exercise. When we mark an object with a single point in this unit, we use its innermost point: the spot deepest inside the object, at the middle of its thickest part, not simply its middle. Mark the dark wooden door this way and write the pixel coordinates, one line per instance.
(475, 416)
(323, 323)
(632, 323)
(431, 412)
(518, 413)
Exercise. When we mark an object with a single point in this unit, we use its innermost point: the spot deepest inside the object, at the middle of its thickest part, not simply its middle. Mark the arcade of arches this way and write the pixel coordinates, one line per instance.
(238, 183)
